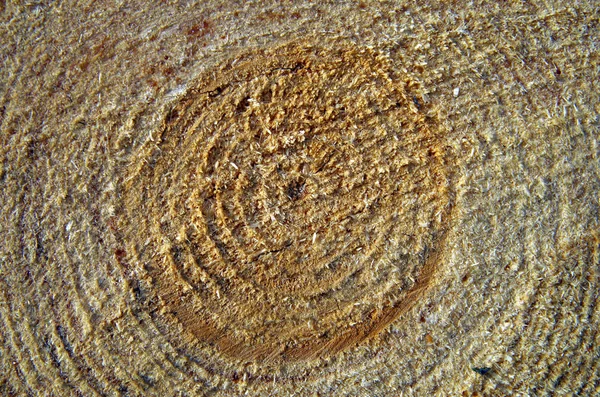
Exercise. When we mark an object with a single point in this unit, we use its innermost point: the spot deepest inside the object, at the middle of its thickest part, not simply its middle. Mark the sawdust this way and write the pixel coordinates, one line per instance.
(309, 199)
(306, 179)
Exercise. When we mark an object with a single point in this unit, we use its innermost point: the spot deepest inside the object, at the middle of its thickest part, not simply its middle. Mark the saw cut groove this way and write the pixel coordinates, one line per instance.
(294, 204)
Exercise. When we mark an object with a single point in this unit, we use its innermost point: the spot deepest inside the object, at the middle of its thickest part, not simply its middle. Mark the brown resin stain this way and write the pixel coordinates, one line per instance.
(295, 204)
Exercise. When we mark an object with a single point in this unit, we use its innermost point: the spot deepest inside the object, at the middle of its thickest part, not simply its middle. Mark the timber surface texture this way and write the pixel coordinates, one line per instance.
(299, 198)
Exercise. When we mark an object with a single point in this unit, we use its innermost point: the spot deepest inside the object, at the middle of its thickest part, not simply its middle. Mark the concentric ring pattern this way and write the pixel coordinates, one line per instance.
(311, 199)
(292, 205)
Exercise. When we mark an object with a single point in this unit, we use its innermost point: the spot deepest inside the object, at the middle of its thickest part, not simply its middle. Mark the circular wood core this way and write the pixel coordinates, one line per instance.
(292, 205)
